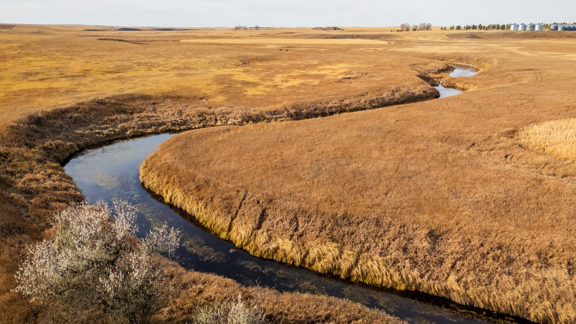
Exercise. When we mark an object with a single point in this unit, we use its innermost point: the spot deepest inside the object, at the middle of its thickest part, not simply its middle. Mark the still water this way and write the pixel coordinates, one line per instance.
(463, 72)
(459, 72)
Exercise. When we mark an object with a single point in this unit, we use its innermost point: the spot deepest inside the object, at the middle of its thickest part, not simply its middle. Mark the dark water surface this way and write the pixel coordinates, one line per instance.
(111, 172)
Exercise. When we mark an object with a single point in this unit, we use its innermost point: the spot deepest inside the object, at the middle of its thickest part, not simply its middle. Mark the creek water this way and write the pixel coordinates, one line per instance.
(463, 72)
(111, 172)
(446, 92)
(458, 72)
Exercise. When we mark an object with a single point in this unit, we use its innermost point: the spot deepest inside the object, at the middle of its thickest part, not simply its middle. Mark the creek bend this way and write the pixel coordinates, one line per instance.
(111, 172)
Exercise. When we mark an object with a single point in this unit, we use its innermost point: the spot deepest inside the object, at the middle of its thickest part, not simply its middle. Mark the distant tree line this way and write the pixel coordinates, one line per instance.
(242, 27)
(422, 26)
(479, 27)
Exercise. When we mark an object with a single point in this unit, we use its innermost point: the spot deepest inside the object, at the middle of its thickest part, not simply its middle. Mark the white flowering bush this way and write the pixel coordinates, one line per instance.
(230, 313)
(95, 268)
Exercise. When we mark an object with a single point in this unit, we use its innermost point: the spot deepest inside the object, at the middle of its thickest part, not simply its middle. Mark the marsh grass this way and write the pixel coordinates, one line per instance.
(435, 197)
(492, 271)
(63, 90)
(556, 137)
(33, 148)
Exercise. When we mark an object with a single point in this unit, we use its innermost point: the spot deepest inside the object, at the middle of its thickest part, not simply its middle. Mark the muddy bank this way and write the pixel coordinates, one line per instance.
(452, 77)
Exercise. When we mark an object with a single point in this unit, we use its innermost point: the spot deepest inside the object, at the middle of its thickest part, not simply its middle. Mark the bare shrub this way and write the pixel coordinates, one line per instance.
(405, 27)
(163, 239)
(95, 268)
(230, 313)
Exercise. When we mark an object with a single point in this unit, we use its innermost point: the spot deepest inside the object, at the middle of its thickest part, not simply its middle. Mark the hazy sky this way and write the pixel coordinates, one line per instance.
(222, 13)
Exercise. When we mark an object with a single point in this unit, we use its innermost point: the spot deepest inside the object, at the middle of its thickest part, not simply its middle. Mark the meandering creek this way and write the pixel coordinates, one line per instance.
(459, 72)
(111, 172)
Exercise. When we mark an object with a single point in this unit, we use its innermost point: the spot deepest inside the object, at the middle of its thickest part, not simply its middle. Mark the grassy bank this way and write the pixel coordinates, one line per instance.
(35, 186)
(400, 239)
(440, 197)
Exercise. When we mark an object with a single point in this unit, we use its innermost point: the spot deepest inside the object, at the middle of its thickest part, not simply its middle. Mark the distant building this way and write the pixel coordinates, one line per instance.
(541, 27)
(571, 27)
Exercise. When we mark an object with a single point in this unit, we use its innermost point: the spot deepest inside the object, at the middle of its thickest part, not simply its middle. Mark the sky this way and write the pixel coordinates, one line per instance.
(283, 13)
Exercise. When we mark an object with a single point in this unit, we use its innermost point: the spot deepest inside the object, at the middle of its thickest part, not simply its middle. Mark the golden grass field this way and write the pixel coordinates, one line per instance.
(464, 197)
(47, 67)
(444, 197)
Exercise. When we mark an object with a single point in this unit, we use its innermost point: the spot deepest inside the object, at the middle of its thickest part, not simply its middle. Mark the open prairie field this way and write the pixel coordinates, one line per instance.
(47, 67)
(465, 198)
(453, 197)
(68, 88)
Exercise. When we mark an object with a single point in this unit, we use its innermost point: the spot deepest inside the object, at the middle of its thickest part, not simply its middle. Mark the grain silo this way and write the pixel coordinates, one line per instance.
(514, 27)
(539, 27)
(531, 27)
(561, 28)
(522, 27)
(554, 27)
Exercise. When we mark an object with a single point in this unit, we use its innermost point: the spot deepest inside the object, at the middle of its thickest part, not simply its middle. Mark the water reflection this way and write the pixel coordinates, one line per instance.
(459, 72)
(462, 72)
(446, 92)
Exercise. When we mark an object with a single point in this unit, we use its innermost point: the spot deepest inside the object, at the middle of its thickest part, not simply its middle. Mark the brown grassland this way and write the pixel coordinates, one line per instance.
(449, 197)
(68, 88)
(443, 197)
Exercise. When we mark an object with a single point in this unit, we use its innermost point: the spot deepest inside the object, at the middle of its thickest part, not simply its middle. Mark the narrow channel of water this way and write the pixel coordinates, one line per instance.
(459, 72)
(446, 92)
(111, 172)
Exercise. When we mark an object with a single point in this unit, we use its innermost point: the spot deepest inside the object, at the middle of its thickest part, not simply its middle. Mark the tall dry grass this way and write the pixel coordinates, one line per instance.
(33, 148)
(195, 84)
(201, 290)
(436, 197)
(556, 137)
(496, 270)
